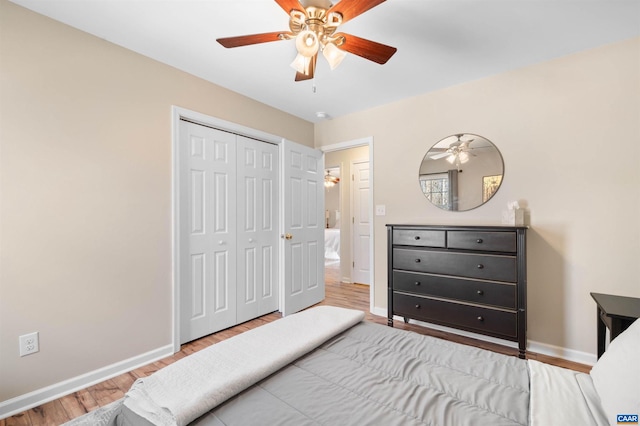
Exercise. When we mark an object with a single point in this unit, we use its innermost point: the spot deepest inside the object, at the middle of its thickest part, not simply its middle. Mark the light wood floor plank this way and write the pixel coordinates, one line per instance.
(78, 403)
(49, 414)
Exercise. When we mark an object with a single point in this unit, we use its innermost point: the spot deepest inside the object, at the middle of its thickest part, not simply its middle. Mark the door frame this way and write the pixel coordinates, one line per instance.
(366, 141)
(178, 113)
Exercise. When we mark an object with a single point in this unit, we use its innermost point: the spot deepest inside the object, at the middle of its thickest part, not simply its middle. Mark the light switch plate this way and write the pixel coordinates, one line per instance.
(381, 210)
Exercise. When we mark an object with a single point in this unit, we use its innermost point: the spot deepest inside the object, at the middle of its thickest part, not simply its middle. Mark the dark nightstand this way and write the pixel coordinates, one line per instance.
(616, 313)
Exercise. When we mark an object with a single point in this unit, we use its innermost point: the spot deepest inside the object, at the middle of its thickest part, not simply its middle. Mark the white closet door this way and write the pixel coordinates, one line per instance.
(360, 190)
(207, 217)
(257, 237)
(303, 193)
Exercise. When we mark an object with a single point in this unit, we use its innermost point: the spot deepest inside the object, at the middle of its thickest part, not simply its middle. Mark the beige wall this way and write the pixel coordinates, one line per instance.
(85, 187)
(554, 123)
(343, 159)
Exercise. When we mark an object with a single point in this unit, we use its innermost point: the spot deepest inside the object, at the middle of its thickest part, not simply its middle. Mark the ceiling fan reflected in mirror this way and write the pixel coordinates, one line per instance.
(456, 153)
(313, 25)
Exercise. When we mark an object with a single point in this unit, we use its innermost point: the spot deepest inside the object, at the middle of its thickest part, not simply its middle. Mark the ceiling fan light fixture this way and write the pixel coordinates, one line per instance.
(307, 43)
(463, 156)
(299, 63)
(333, 55)
(329, 180)
(304, 65)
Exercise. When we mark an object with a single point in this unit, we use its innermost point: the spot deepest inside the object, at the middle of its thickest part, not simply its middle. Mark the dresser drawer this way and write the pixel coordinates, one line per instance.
(488, 321)
(471, 265)
(483, 292)
(479, 240)
(419, 237)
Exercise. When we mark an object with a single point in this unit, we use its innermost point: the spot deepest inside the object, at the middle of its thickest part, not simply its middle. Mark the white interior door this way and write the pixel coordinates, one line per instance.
(207, 220)
(257, 238)
(303, 226)
(360, 190)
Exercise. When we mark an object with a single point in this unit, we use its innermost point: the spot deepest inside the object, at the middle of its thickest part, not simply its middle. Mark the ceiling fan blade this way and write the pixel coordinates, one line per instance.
(246, 40)
(439, 155)
(371, 50)
(312, 69)
(289, 5)
(349, 9)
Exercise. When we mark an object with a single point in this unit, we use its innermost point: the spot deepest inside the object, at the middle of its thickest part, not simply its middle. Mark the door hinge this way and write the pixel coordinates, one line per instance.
(353, 264)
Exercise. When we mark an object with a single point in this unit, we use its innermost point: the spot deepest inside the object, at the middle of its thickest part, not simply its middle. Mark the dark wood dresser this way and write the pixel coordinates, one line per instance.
(472, 278)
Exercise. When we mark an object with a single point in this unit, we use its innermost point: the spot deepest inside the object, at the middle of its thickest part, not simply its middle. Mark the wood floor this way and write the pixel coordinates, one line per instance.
(353, 296)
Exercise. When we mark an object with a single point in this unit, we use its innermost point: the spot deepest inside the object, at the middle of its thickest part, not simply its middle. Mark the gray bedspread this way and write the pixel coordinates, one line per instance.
(376, 375)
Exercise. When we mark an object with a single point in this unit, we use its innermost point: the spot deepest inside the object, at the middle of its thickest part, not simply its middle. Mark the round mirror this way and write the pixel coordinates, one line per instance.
(461, 172)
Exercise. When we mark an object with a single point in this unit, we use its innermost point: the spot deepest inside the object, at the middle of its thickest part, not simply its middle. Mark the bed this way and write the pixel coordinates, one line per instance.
(332, 243)
(326, 365)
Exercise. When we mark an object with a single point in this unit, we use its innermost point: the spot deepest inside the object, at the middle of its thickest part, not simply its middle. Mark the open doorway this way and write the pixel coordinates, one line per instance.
(345, 201)
(333, 184)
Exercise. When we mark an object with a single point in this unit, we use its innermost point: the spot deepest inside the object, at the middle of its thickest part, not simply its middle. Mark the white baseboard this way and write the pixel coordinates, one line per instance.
(537, 347)
(41, 396)
(560, 352)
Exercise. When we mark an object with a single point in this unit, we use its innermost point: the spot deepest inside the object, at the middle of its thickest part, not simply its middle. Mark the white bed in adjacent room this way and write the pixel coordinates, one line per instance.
(332, 244)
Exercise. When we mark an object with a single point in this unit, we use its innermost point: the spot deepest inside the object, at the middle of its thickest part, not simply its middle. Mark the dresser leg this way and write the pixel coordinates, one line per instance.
(406, 320)
(390, 322)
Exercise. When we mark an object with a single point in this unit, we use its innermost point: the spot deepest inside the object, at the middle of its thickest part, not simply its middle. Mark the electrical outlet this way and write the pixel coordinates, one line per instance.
(29, 344)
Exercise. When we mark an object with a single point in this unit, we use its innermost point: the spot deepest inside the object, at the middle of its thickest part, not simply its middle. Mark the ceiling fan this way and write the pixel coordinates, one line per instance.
(458, 152)
(313, 26)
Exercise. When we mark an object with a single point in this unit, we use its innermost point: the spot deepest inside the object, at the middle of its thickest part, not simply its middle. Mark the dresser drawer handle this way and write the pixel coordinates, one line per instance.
(480, 266)
(417, 260)
(417, 283)
(417, 237)
(417, 306)
(479, 241)
(480, 292)
(480, 319)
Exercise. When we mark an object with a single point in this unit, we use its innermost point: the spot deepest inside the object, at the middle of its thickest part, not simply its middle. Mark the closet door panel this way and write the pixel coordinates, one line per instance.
(207, 223)
(303, 216)
(257, 236)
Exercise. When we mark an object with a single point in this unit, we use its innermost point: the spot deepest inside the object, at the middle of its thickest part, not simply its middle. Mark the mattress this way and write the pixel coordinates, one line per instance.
(326, 366)
(373, 374)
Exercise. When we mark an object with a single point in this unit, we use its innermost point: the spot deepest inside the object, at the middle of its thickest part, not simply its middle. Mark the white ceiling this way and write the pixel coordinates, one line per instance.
(440, 43)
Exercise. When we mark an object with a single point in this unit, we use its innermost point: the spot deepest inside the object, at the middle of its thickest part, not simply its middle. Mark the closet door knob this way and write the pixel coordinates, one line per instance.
(251, 240)
(286, 236)
(221, 242)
